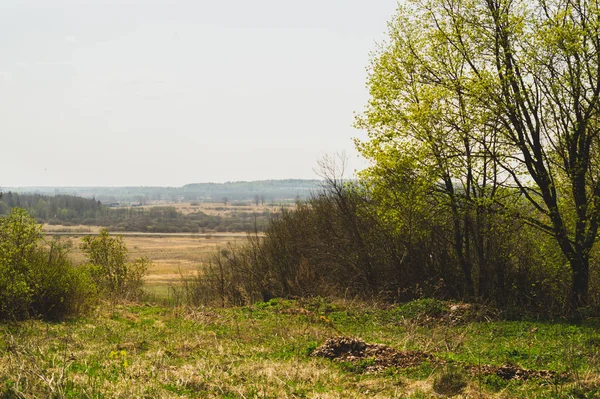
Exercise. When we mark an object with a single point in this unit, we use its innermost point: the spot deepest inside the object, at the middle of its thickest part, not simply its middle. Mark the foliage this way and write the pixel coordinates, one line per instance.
(36, 281)
(340, 244)
(19, 236)
(116, 277)
(60, 288)
(485, 105)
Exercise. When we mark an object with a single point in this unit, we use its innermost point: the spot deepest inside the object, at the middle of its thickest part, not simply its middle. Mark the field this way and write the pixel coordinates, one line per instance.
(269, 350)
(172, 255)
(220, 209)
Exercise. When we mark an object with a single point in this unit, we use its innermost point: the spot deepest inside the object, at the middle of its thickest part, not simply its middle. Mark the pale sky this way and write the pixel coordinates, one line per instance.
(171, 92)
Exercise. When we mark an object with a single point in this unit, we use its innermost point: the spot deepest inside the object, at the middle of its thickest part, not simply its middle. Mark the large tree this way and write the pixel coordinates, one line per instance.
(498, 93)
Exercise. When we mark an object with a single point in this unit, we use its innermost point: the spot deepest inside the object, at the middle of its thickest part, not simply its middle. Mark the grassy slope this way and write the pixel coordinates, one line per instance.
(263, 351)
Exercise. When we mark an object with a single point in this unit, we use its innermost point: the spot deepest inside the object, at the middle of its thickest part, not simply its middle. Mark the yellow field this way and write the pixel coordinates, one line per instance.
(171, 255)
(220, 209)
(59, 228)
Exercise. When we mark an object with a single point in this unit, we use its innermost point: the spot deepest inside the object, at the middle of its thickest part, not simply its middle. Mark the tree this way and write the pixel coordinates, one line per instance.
(117, 277)
(499, 94)
(434, 137)
(19, 236)
(37, 278)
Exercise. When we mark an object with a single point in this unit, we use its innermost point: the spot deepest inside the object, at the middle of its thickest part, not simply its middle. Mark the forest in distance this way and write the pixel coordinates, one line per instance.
(267, 191)
(150, 209)
(69, 210)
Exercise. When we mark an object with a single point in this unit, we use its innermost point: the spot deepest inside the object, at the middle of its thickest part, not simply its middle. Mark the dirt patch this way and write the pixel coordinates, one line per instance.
(380, 357)
(344, 349)
(509, 372)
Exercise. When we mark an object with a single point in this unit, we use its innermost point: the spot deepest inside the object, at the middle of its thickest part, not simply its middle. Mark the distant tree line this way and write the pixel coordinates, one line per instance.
(269, 190)
(166, 219)
(45, 208)
(73, 210)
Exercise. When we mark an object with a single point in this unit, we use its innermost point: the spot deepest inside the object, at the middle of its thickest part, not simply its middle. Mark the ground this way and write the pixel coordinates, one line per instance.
(271, 350)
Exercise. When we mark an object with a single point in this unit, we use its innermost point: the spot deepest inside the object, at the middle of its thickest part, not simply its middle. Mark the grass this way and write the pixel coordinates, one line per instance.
(263, 351)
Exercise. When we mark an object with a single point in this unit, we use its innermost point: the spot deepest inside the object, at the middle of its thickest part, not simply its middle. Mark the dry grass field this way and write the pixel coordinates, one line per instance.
(220, 209)
(59, 228)
(172, 255)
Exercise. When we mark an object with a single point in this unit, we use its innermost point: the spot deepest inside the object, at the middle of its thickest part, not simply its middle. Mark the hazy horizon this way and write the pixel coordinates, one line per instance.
(4, 187)
(168, 93)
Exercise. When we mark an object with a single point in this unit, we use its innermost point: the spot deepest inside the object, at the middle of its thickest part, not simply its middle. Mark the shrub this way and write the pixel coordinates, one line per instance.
(108, 261)
(60, 289)
(36, 281)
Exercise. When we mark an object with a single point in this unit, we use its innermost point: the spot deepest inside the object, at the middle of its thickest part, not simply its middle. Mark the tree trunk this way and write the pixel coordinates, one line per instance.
(580, 267)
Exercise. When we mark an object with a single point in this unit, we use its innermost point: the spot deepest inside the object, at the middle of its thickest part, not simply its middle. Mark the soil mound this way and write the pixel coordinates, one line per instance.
(509, 372)
(344, 349)
(380, 357)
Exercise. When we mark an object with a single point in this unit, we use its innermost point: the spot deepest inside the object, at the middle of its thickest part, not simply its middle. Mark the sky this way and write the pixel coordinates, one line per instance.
(171, 92)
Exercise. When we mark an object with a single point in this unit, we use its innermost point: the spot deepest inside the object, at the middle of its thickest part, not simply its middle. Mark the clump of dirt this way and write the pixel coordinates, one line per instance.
(509, 372)
(344, 349)
(380, 357)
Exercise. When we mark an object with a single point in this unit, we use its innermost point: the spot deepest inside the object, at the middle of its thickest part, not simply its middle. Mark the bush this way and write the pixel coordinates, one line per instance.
(60, 289)
(36, 281)
(116, 277)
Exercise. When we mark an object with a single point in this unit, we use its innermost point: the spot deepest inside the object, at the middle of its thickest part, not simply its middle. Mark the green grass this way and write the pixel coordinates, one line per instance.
(157, 292)
(263, 351)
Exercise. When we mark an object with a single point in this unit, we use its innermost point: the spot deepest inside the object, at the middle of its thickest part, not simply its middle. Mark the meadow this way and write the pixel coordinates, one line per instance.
(287, 349)
(172, 256)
